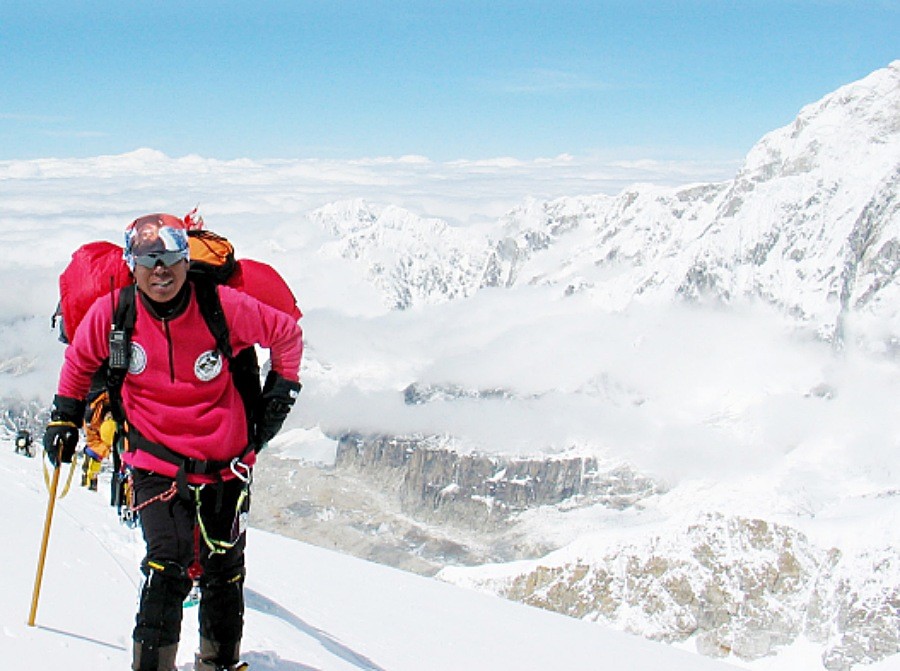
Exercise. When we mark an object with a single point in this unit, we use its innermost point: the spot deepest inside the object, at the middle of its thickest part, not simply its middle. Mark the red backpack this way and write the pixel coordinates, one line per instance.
(98, 268)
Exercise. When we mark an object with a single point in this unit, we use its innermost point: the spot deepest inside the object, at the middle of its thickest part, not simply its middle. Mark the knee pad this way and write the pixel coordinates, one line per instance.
(166, 569)
(219, 580)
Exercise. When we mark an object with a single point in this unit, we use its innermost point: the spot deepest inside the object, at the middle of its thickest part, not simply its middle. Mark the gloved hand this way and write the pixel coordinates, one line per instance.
(278, 397)
(62, 430)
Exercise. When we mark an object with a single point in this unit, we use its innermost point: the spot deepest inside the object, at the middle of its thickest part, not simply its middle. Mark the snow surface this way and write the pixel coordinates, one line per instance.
(308, 609)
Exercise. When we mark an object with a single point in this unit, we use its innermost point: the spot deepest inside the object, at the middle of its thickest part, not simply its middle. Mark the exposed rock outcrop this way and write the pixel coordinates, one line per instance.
(735, 586)
(481, 491)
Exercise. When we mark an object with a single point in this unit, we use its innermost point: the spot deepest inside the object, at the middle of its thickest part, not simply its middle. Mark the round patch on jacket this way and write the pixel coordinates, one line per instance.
(137, 361)
(208, 365)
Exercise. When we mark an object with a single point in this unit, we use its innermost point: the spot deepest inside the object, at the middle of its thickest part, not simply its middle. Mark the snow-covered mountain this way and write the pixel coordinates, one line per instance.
(409, 258)
(735, 587)
(811, 223)
(810, 226)
(611, 389)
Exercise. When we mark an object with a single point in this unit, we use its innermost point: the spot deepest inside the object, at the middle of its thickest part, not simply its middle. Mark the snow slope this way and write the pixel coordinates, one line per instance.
(308, 609)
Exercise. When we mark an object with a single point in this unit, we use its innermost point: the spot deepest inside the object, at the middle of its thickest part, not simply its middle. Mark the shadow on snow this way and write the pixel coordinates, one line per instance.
(264, 604)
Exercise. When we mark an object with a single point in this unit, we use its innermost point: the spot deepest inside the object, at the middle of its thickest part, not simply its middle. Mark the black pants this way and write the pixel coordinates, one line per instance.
(168, 528)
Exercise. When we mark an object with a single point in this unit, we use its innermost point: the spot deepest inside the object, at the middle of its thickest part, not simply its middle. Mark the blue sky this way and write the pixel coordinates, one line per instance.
(446, 80)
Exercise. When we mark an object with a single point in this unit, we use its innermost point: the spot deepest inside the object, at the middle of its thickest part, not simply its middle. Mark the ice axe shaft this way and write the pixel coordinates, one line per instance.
(48, 520)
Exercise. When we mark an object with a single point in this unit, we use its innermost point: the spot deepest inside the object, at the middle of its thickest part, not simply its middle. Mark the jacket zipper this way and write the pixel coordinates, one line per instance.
(171, 348)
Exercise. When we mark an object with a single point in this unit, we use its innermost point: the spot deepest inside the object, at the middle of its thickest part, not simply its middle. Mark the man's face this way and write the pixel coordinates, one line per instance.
(161, 283)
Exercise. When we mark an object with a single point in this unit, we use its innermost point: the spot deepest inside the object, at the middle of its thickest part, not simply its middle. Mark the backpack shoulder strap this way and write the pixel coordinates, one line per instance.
(243, 365)
(211, 308)
(125, 311)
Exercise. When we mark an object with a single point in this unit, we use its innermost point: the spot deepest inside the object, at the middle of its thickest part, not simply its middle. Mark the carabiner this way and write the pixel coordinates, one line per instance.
(241, 470)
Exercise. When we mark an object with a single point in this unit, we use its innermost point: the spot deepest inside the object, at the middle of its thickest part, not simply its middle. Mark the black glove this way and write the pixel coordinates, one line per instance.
(278, 396)
(61, 434)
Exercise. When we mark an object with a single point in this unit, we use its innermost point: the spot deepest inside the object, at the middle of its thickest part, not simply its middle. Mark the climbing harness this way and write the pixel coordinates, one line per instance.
(243, 473)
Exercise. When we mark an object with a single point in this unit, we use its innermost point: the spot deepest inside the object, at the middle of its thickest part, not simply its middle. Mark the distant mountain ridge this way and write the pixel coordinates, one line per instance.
(810, 223)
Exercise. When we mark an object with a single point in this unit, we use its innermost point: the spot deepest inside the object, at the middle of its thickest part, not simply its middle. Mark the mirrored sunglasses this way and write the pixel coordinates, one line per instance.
(166, 258)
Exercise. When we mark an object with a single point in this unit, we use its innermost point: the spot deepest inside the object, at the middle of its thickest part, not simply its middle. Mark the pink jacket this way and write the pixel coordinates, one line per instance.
(178, 391)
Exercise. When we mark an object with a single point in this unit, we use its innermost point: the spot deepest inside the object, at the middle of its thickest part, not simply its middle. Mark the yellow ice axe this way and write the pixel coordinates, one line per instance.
(51, 503)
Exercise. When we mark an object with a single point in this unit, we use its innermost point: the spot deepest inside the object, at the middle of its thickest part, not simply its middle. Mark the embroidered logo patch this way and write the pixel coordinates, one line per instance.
(138, 359)
(208, 365)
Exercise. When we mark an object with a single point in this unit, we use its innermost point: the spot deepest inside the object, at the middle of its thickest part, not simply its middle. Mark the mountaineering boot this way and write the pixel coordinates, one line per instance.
(200, 665)
(164, 657)
(158, 622)
(221, 619)
(214, 656)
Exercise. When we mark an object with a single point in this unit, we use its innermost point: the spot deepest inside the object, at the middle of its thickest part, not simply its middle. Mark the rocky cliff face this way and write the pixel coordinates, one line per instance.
(729, 585)
(734, 586)
(435, 483)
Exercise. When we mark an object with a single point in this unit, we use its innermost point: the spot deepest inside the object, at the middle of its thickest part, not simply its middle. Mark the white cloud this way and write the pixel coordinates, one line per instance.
(461, 191)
